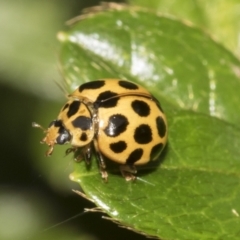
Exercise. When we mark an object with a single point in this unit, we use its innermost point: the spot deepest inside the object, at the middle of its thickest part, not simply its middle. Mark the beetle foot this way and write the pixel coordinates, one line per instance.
(104, 175)
(128, 172)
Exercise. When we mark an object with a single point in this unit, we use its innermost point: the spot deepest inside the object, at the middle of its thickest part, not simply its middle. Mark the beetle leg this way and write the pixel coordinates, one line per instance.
(69, 150)
(77, 156)
(87, 152)
(81, 153)
(102, 165)
(128, 172)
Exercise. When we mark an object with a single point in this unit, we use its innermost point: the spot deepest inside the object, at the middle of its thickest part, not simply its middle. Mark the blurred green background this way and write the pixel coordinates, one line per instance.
(35, 192)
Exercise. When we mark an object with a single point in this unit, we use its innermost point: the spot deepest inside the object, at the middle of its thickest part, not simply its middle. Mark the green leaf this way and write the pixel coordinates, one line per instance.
(194, 192)
(220, 18)
(176, 62)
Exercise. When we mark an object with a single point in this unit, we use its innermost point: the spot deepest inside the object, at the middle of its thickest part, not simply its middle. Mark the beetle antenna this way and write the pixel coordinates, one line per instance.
(36, 125)
(64, 221)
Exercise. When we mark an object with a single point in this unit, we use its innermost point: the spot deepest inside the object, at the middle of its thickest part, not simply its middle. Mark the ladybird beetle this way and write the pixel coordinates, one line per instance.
(121, 120)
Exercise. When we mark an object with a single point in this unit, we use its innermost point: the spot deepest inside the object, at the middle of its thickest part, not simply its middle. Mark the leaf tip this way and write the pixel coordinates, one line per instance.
(73, 177)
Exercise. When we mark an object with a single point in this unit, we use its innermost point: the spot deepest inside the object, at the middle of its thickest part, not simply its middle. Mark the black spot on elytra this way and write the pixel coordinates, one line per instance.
(83, 137)
(143, 134)
(82, 122)
(73, 108)
(134, 156)
(117, 124)
(106, 99)
(141, 108)
(161, 126)
(127, 85)
(118, 147)
(92, 85)
(156, 150)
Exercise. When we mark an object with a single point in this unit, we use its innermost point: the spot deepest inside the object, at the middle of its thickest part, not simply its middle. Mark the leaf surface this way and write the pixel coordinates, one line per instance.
(194, 191)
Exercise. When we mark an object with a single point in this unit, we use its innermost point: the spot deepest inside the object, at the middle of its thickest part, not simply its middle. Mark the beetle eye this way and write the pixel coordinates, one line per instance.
(63, 137)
